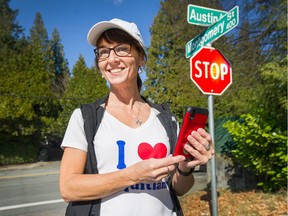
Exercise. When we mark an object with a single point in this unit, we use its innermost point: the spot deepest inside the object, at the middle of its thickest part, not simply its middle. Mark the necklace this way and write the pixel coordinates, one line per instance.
(138, 121)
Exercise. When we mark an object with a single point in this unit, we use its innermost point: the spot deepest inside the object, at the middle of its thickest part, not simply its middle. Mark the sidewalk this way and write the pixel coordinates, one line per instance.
(31, 168)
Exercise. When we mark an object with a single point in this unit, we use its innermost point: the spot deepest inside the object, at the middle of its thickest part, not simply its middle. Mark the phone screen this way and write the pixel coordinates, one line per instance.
(194, 118)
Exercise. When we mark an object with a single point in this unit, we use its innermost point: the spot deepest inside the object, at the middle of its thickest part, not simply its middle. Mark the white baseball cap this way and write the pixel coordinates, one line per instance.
(131, 28)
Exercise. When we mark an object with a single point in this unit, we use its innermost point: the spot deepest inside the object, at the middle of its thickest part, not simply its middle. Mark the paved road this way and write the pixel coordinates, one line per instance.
(32, 190)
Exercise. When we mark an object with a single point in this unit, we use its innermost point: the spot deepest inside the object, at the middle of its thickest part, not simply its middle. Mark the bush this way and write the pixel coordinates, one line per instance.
(260, 149)
(17, 150)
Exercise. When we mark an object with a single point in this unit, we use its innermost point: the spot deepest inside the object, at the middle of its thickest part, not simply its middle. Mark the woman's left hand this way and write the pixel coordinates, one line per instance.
(200, 147)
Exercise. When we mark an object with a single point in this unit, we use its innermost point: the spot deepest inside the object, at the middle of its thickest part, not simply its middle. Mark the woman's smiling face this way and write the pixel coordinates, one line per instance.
(120, 70)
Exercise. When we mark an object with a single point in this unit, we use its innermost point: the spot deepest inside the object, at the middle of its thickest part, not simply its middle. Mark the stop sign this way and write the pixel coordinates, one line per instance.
(210, 71)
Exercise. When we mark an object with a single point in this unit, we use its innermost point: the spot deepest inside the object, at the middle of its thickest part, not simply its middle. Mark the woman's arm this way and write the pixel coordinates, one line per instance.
(76, 186)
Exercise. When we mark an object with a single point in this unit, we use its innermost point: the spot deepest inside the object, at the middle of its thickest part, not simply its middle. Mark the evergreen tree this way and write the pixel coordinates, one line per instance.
(270, 27)
(39, 38)
(11, 32)
(49, 106)
(28, 80)
(38, 32)
(26, 90)
(60, 63)
(84, 86)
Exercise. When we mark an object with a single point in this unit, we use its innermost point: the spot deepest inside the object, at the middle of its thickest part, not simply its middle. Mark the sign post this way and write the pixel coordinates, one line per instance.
(209, 69)
(212, 161)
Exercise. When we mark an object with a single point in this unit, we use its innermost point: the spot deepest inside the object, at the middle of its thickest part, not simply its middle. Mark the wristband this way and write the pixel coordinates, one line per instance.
(184, 173)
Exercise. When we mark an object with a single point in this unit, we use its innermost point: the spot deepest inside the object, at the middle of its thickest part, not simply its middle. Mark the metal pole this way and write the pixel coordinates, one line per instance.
(212, 161)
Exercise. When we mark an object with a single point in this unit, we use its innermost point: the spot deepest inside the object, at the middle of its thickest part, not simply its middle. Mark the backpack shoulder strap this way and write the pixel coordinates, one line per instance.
(92, 116)
(89, 118)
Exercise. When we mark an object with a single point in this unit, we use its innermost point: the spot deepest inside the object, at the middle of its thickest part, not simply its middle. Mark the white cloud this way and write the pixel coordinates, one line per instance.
(117, 2)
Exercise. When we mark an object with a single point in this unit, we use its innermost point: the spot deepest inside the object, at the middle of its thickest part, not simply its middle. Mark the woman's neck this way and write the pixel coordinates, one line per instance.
(124, 98)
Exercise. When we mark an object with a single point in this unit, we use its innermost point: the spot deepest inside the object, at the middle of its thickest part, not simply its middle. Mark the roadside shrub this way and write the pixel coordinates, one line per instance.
(261, 149)
(17, 150)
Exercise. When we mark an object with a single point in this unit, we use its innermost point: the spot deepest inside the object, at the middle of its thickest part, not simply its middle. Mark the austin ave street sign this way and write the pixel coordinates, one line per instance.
(221, 27)
(203, 16)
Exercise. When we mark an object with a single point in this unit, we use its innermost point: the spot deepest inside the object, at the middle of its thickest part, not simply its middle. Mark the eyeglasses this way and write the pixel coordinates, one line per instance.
(120, 50)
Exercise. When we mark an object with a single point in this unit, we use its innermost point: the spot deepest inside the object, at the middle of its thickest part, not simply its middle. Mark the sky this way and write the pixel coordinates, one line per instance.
(74, 18)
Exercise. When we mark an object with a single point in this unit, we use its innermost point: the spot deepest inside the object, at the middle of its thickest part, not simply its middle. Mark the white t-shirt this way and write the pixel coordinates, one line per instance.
(118, 146)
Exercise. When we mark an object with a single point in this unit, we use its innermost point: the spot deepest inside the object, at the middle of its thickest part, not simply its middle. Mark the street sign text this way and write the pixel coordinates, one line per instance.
(221, 27)
(213, 70)
(203, 16)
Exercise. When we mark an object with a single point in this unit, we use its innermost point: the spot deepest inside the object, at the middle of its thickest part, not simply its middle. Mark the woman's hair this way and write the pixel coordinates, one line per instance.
(120, 36)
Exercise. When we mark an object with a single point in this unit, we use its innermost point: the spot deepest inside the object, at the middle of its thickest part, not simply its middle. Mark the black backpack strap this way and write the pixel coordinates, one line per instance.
(92, 115)
(90, 121)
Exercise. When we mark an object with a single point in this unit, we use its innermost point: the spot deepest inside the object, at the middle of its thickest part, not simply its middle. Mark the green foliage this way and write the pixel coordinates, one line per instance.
(36, 90)
(260, 138)
(260, 141)
(17, 149)
(168, 76)
(260, 149)
(84, 86)
(29, 103)
(257, 51)
(59, 64)
(22, 90)
(272, 101)
(10, 30)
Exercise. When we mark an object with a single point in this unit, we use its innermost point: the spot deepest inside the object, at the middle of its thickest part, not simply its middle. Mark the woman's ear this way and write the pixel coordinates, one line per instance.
(143, 61)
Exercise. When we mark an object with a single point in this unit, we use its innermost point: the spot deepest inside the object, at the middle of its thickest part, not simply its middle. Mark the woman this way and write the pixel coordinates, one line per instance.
(131, 144)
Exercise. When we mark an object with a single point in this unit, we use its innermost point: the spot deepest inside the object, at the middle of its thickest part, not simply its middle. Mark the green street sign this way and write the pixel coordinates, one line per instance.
(212, 33)
(203, 16)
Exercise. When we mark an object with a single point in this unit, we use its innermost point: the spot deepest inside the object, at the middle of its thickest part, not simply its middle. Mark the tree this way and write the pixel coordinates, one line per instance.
(39, 39)
(270, 30)
(84, 86)
(11, 32)
(260, 136)
(245, 58)
(168, 79)
(38, 33)
(60, 64)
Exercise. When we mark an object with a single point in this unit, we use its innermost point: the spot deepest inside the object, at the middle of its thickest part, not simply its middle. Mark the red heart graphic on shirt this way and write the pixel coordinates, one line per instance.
(146, 151)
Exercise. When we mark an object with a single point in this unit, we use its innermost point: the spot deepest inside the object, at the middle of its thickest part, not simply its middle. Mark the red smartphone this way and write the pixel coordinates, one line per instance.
(194, 118)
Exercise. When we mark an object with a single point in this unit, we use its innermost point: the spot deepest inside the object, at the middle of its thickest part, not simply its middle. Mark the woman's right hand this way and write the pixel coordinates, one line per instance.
(154, 170)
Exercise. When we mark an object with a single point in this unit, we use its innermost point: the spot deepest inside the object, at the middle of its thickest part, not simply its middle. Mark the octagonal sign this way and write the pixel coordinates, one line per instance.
(210, 71)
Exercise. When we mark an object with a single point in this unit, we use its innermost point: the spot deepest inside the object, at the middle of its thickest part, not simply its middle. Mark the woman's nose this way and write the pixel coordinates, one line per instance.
(113, 57)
